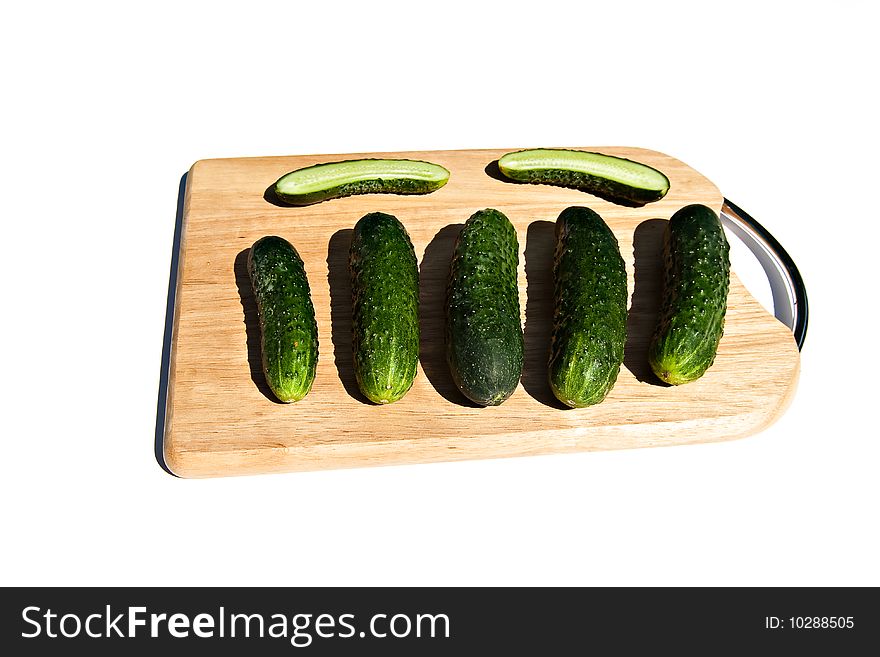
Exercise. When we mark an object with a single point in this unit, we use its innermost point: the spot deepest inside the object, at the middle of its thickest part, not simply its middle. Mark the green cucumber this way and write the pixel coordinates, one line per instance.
(615, 179)
(385, 295)
(484, 338)
(288, 332)
(330, 180)
(695, 285)
(589, 317)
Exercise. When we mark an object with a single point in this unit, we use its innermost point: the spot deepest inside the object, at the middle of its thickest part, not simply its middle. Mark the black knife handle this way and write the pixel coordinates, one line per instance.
(789, 294)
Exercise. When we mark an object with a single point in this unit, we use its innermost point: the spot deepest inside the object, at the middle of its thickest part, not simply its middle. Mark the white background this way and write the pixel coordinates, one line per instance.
(106, 105)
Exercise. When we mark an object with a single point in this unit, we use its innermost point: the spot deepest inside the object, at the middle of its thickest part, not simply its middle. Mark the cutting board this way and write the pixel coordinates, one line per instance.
(221, 419)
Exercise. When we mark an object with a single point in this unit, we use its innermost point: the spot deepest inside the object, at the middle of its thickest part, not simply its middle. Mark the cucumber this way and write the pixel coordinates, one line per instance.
(695, 285)
(615, 179)
(322, 182)
(288, 332)
(484, 339)
(589, 317)
(385, 295)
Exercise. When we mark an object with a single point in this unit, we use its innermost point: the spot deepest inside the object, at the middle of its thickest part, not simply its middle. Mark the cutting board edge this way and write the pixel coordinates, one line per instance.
(168, 419)
(201, 464)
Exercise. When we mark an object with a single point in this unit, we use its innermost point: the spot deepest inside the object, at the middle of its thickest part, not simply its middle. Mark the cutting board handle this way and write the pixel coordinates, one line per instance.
(789, 293)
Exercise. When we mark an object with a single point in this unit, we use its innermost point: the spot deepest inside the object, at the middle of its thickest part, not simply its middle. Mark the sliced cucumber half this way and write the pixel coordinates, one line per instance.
(330, 180)
(616, 179)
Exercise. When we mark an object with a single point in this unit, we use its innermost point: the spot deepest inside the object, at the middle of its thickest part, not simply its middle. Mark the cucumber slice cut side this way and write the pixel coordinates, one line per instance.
(615, 179)
(330, 180)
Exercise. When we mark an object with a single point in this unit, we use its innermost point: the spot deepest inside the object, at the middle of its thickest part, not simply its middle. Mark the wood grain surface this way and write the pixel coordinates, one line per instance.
(221, 418)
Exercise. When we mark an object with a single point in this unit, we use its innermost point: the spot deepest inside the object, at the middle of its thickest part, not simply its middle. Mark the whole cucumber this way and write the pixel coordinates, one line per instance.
(695, 286)
(385, 299)
(288, 332)
(589, 318)
(484, 339)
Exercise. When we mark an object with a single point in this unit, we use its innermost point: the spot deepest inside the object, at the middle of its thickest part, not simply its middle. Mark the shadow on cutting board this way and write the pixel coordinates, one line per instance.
(165, 365)
(540, 245)
(493, 171)
(251, 325)
(644, 308)
(270, 197)
(433, 277)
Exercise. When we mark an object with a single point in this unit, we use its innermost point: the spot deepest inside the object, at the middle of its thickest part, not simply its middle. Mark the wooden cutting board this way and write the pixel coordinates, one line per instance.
(221, 418)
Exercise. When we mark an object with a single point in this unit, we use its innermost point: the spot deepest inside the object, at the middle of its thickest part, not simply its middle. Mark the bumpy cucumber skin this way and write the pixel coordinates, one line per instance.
(365, 186)
(695, 286)
(385, 295)
(589, 317)
(484, 339)
(288, 331)
(610, 190)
